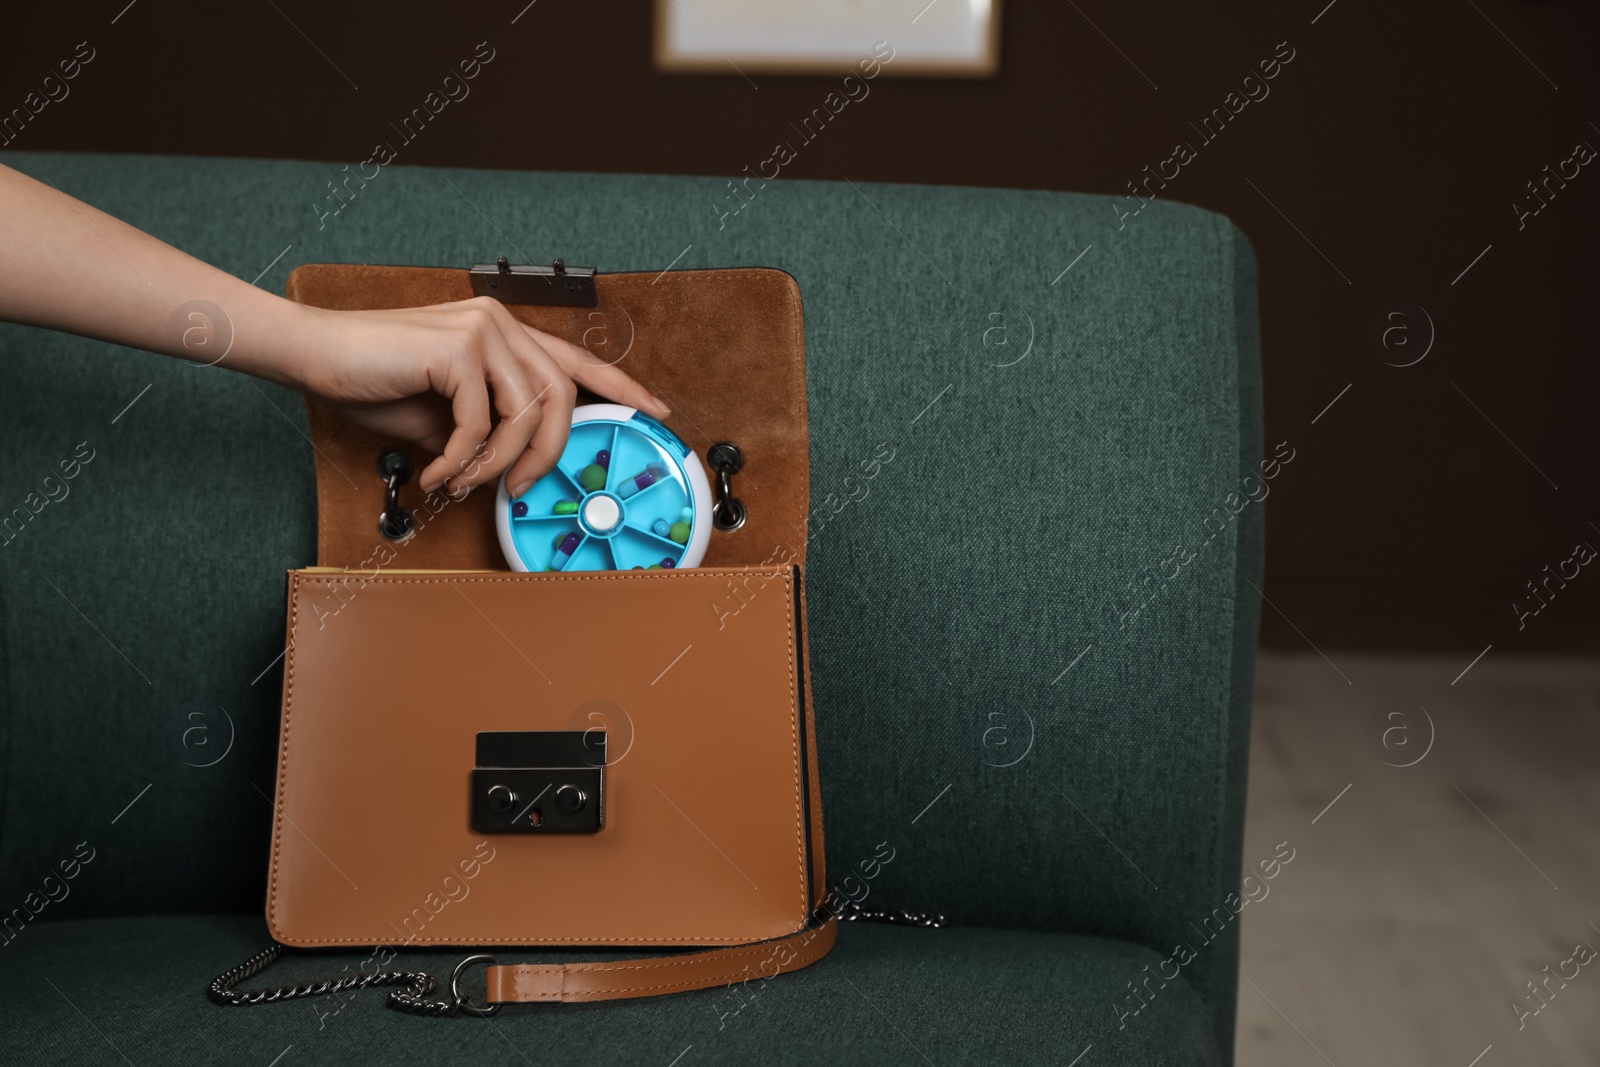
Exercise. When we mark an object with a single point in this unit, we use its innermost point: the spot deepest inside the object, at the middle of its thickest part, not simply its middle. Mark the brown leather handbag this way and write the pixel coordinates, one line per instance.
(472, 757)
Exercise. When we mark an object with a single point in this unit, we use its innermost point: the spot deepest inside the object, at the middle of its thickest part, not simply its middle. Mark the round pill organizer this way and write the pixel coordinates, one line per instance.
(627, 494)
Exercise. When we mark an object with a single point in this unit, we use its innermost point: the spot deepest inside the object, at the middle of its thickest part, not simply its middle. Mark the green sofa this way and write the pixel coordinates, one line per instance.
(1033, 639)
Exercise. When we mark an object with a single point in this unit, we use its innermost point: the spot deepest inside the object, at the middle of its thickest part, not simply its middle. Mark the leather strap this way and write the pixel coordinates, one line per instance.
(522, 983)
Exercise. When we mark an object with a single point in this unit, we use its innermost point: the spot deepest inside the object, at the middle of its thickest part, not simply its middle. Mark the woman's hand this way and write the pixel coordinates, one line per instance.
(465, 380)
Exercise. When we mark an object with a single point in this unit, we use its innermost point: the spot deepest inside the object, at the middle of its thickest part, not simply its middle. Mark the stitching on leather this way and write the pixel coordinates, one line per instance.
(283, 754)
(817, 843)
(723, 956)
(299, 579)
(794, 736)
(805, 959)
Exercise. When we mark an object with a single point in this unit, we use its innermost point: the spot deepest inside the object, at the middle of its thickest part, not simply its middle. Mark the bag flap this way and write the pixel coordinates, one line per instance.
(724, 348)
(711, 831)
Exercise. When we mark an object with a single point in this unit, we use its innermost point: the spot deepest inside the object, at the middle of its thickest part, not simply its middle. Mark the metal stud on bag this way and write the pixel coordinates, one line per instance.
(725, 460)
(396, 523)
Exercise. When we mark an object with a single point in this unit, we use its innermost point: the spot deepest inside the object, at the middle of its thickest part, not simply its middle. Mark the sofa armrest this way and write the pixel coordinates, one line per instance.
(1034, 628)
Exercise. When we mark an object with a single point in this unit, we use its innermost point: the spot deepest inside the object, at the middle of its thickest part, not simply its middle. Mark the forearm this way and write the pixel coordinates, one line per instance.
(464, 379)
(67, 266)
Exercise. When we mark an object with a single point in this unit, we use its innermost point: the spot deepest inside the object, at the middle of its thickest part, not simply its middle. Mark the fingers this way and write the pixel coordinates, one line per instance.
(477, 359)
(604, 379)
(533, 377)
(553, 401)
(549, 439)
(459, 377)
(533, 396)
(515, 401)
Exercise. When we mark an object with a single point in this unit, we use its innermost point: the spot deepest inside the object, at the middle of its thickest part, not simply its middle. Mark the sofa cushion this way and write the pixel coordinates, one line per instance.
(118, 990)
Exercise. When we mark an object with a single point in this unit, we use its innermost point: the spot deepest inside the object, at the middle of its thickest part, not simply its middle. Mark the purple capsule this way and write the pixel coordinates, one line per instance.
(643, 480)
(569, 545)
(603, 457)
(519, 509)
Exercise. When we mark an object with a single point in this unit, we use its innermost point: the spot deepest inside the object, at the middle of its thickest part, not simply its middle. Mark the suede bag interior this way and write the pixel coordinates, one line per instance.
(724, 348)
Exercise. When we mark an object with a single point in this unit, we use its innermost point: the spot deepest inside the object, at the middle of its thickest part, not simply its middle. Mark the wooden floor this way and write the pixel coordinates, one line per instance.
(1423, 899)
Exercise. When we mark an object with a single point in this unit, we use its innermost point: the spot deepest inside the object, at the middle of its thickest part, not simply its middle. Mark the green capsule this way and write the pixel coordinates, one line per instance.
(566, 507)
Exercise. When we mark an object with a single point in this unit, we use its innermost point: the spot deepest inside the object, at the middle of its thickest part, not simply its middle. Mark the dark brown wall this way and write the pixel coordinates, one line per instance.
(1387, 157)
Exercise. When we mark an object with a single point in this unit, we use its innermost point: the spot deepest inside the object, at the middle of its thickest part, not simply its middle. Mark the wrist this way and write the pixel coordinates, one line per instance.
(277, 339)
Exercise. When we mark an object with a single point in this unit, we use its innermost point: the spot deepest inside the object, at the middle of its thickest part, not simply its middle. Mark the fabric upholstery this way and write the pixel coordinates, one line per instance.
(1032, 632)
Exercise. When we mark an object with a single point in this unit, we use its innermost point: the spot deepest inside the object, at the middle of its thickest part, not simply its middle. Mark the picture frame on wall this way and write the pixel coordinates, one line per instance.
(928, 38)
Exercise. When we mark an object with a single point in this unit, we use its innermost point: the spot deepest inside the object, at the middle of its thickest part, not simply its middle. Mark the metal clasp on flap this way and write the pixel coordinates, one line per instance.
(557, 285)
(539, 782)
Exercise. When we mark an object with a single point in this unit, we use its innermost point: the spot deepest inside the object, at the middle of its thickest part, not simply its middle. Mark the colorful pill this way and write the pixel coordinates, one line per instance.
(687, 514)
(519, 509)
(679, 532)
(660, 528)
(592, 477)
(566, 507)
(667, 563)
(643, 480)
(603, 458)
(568, 545)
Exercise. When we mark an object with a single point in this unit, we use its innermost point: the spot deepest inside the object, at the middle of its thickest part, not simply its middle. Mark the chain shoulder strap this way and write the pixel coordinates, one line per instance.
(853, 912)
(413, 997)
(415, 986)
